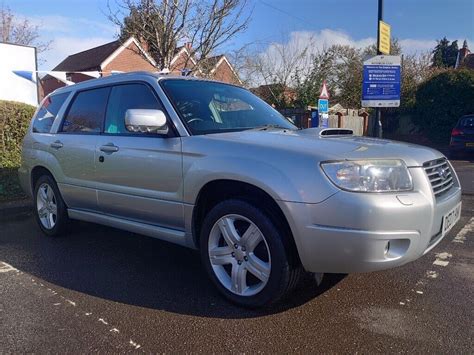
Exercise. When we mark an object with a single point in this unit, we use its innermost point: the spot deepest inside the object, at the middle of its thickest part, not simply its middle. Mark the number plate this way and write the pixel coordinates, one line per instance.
(469, 144)
(451, 218)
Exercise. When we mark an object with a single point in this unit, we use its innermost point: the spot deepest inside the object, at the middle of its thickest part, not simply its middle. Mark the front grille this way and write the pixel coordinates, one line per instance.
(440, 175)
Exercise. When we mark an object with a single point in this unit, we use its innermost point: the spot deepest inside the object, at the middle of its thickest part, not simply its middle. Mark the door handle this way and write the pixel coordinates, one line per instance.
(109, 148)
(57, 145)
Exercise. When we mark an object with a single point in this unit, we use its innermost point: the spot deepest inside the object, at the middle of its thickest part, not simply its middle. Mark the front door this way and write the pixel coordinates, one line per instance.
(139, 175)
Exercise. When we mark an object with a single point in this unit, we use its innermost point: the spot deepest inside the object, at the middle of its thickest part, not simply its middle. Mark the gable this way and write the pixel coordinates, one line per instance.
(129, 58)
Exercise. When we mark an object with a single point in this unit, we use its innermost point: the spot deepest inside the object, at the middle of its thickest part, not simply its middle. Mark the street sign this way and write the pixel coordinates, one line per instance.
(384, 37)
(324, 120)
(323, 105)
(381, 81)
(324, 91)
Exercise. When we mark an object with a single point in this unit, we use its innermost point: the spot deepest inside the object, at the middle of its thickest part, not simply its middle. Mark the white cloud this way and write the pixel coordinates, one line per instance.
(69, 35)
(64, 46)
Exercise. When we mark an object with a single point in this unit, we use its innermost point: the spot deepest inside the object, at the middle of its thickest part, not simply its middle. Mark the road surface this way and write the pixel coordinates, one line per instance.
(100, 289)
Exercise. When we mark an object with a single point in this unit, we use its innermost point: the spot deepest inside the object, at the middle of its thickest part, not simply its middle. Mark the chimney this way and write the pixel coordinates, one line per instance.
(188, 46)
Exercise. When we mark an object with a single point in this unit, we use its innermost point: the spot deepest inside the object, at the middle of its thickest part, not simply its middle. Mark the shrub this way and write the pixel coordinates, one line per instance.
(442, 100)
(14, 120)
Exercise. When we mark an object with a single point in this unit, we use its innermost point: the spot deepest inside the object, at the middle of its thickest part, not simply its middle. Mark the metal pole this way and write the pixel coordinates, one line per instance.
(378, 112)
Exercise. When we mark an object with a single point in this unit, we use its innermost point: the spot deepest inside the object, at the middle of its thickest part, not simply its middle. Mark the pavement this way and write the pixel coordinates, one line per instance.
(101, 289)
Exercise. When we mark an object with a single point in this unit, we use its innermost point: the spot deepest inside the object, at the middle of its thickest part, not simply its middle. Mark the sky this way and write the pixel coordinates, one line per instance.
(76, 25)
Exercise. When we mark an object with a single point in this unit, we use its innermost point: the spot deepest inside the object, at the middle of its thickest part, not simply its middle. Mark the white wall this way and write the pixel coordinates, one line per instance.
(12, 86)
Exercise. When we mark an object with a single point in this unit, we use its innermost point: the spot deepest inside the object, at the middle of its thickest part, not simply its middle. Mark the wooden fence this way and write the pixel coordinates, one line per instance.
(357, 120)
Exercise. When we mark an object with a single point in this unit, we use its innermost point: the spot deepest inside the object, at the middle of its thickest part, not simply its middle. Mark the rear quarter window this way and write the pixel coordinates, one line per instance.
(48, 112)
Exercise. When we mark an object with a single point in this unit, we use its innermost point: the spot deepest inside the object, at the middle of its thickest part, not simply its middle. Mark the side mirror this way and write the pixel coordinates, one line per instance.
(146, 121)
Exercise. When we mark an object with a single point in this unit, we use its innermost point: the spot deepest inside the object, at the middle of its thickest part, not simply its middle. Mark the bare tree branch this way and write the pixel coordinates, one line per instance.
(164, 24)
(20, 31)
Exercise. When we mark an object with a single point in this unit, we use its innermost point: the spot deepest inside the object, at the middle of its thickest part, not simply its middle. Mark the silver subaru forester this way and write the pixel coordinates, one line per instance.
(210, 166)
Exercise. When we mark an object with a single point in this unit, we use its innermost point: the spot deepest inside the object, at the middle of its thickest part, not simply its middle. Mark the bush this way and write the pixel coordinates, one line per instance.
(14, 120)
(442, 100)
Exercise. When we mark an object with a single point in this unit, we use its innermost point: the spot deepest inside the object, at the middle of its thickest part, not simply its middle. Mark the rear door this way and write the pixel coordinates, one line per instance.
(73, 148)
(139, 175)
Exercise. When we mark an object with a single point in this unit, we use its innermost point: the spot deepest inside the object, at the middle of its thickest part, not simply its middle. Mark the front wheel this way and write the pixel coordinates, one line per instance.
(244, 254)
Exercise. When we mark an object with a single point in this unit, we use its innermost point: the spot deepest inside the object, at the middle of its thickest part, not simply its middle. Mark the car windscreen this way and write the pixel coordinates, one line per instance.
(210, 107)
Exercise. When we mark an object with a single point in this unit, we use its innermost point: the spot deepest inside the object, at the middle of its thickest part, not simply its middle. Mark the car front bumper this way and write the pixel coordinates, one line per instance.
(361, 232)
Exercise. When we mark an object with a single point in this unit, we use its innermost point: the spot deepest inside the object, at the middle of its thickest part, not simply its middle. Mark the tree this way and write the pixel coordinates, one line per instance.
(445, 54)
(20, 31)
(163, 24)
(441, 100)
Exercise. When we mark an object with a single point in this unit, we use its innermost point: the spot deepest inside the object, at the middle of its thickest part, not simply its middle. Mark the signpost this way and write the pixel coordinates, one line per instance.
(323, 106)
(381, 81)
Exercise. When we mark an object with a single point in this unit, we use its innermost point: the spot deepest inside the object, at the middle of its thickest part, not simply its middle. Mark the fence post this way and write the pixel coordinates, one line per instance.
(340, 120)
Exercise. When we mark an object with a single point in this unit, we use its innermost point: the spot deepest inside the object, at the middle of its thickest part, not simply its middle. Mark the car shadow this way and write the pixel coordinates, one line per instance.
(136, 270)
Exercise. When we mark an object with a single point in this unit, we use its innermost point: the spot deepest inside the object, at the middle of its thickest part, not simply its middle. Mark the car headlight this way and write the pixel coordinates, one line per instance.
(369, 175)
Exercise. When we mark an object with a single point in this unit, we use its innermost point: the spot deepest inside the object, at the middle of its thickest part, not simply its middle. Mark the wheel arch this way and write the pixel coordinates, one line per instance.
(36, 173)
(216, 191)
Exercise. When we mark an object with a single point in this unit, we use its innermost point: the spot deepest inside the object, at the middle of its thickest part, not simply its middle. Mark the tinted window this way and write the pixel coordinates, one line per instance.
(123, 98)
(86, 114)
(47, 113)
(467, 122)
(209, 107)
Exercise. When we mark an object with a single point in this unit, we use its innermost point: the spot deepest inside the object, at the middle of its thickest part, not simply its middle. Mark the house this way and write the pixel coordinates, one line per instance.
(465, 59)
(105, 59)
(132, 56)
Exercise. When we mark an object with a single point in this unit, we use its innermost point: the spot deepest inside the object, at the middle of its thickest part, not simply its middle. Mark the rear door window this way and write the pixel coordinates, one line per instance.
(87, 111)
(48, 112)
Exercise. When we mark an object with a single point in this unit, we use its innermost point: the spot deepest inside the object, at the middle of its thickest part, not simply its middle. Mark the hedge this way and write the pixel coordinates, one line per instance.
(14, 120)
(442, 100)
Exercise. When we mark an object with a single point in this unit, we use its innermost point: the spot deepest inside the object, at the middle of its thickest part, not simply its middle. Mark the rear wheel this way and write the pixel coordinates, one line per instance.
(244, 254)
(50, 209)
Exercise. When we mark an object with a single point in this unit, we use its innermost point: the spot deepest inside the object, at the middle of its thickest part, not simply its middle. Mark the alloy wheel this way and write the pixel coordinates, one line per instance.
(46, 206)
(239, 255)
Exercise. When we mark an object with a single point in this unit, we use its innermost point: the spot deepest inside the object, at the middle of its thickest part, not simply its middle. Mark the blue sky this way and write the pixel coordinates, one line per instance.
(75, 25)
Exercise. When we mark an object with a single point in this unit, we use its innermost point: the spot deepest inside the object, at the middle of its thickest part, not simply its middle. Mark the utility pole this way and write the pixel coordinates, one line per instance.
(377, 127)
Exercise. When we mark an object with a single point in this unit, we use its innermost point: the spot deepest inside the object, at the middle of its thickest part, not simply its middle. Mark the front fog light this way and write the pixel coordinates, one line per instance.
(369, 175)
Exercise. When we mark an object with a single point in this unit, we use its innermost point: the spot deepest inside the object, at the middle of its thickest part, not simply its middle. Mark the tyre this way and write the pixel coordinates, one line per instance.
(244, 254)
(50, 209)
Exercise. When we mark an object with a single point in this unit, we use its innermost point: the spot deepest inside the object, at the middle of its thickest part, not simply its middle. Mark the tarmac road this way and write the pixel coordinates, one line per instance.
(100, 289)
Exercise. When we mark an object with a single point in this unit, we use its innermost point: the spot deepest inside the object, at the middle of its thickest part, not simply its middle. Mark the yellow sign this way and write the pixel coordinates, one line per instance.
(384, 37)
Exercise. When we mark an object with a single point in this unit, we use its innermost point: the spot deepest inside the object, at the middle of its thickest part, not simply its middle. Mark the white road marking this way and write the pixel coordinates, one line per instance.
(103, 321)
(419, 292)
(441, 259)
(461, 236)
(115, 330)
(71, 303)
(431, 274)
(402, 303)
(135, 345)
(4, 267)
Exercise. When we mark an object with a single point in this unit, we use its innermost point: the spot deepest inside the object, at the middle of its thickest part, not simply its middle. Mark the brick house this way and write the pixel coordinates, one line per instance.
(465, 59)
(131, 56)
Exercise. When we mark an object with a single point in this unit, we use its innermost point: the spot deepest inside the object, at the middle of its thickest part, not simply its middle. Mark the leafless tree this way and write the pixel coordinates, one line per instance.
(17, 30)
(164, 24)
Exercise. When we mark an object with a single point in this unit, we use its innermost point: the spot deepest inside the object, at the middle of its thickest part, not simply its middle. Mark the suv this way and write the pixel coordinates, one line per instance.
(210, 166)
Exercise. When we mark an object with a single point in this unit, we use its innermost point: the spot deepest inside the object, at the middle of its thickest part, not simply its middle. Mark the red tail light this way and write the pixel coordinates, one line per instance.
(456, 132)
